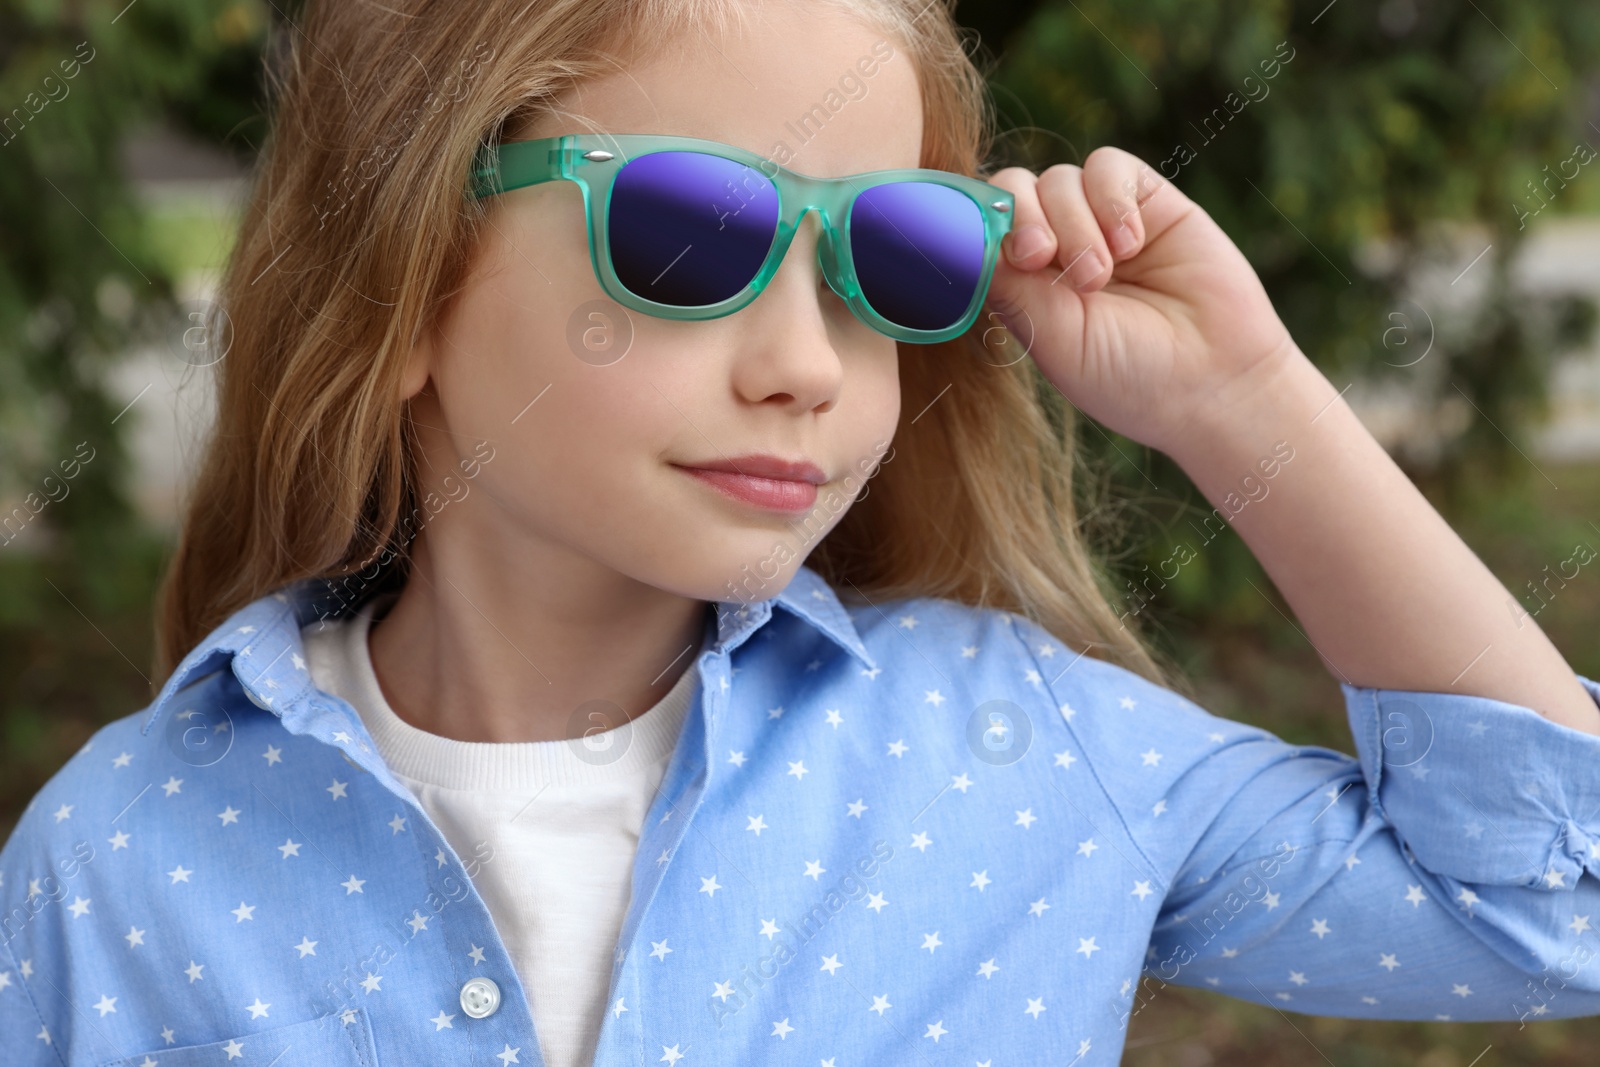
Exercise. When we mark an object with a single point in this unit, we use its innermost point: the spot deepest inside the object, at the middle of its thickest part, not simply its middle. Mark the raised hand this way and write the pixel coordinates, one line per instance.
(1130, 298)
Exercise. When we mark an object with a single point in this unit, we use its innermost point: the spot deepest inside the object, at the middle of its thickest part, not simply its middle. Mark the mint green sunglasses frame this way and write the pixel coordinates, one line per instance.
(593, 161)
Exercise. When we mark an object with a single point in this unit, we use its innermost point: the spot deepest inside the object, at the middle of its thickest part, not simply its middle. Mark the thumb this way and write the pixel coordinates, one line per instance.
(1032, 290)
(1036, 306)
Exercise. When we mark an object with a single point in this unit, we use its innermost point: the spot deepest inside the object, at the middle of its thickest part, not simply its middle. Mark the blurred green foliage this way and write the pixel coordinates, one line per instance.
(85, 272)
(78, 278)
(1389, 119)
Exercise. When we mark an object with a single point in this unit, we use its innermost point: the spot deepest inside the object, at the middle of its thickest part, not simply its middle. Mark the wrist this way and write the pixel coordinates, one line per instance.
(1278, 395)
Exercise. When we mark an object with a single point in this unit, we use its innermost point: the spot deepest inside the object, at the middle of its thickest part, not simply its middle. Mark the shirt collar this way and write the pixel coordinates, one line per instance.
(806, 596)
(261, 641)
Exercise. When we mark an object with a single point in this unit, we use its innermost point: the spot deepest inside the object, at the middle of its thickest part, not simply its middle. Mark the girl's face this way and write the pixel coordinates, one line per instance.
(590, 454)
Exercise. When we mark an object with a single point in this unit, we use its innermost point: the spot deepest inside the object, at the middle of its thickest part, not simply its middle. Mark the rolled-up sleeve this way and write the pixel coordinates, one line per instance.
(1479, 790)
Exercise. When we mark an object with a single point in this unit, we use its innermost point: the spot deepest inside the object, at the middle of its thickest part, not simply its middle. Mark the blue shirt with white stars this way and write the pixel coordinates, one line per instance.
(975, 847)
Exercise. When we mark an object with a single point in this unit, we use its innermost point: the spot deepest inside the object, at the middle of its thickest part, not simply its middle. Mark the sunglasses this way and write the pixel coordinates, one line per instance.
(684, 228)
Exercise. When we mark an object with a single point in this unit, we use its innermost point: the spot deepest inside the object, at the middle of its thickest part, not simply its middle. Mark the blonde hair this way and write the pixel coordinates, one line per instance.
(357, 234)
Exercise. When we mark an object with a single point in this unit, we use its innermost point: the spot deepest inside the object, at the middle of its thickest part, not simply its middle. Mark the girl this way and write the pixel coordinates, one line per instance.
(563, 667)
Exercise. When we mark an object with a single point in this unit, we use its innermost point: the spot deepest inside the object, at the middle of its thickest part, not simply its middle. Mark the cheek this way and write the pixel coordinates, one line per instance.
(521, 332)
(496, 355)
(576, 443)
(877, 412)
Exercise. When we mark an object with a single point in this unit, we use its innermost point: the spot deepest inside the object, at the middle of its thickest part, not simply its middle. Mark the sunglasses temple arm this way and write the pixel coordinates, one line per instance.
(518, 164)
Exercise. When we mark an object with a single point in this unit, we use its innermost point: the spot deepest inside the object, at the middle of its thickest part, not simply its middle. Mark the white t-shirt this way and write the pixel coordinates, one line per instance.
(560, 830)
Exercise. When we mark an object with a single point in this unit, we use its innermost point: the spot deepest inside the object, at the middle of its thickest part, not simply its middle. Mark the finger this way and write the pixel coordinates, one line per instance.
(1162, 205)
(1030, 244)
(1082, 253)
(1116, 183)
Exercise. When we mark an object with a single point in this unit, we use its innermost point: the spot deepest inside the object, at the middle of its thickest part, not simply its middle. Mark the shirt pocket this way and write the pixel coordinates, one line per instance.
(343, 1039)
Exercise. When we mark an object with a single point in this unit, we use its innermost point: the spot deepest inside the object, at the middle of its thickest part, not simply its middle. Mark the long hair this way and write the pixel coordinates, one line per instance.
(358, 233)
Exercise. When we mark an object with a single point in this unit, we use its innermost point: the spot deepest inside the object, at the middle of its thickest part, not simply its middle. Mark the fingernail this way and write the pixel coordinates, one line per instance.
(1027, 241)
(1122, 239)
(1086, 268)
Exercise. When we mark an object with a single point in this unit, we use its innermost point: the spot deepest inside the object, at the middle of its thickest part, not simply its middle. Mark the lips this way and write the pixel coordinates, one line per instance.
(765, 481)
(761, 465)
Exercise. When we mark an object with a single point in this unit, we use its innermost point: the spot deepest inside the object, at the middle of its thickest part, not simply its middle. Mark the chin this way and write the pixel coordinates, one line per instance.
(758, 578)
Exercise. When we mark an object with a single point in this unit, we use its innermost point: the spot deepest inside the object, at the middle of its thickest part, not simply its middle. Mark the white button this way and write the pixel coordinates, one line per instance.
(480, 998)
(250, 693)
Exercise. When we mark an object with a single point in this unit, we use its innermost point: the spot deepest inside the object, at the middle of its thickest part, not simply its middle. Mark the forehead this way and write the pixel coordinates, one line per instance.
(811, 87)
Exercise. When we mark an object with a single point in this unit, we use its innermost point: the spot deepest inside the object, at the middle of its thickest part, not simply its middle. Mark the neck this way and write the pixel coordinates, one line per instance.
(507, 646)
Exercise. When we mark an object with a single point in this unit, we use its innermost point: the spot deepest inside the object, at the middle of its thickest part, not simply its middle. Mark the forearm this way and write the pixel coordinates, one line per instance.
(1383, 588)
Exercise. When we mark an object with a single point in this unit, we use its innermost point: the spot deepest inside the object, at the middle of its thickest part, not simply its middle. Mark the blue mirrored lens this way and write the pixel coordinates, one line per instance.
(918, 249)
(690, 229)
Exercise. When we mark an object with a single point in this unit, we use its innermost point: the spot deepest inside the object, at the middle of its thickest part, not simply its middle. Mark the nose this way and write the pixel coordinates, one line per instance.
(802, 264)
(789, 356)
